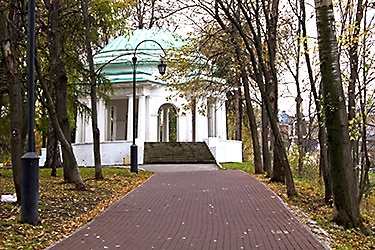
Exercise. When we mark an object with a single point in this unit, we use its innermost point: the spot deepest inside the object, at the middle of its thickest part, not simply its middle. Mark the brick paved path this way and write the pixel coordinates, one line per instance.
(195, 210)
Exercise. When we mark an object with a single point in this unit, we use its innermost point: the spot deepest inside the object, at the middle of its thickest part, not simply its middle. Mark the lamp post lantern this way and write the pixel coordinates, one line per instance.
(162, 68)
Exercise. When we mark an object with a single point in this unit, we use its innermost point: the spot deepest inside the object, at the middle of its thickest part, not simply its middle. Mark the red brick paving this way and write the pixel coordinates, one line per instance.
(195, 210)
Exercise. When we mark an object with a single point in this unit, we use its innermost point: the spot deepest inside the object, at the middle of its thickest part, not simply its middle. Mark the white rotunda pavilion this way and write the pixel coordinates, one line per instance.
(157, 118)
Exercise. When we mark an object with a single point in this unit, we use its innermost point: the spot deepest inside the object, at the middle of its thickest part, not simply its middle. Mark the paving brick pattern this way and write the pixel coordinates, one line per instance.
(196, 210)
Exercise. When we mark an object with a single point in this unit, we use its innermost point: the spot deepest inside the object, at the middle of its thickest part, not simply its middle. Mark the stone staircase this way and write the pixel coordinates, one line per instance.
(177, 152)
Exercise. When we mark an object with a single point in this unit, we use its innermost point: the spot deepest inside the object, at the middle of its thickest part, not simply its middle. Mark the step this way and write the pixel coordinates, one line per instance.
(177, 152)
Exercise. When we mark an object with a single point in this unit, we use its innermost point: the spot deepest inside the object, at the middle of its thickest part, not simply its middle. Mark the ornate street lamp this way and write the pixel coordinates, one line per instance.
(162, 68)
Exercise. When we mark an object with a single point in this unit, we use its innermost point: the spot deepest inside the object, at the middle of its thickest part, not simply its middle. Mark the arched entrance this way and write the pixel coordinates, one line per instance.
(167, 123)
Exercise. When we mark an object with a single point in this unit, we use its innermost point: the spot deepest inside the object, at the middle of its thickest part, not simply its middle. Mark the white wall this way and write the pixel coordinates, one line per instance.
(112, 153)
(225, 150)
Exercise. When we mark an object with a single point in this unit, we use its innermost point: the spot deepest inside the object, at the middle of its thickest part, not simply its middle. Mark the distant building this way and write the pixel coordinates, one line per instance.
(288, 131)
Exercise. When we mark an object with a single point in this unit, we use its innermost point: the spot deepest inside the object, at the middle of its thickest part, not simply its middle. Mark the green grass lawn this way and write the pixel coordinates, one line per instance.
(62, 209)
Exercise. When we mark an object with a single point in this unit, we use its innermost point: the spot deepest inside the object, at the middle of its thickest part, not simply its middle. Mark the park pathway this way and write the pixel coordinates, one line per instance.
(178, 209)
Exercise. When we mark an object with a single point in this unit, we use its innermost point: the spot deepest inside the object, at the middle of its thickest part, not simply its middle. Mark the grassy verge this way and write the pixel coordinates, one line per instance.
(62, 209)
(311, 191)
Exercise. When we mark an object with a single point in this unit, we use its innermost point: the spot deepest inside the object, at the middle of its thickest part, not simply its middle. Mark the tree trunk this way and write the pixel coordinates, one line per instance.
(9, 63)
(262, 72)
(77, 179)
(277, 169)
(53, 159)
(193, 120)
(265, 143)
(353, 79)
(271, 24)
(277, 166)
(322, 134)
(61, 81)
(324, 164)
(364, 182)
(238, 113)
(93, 93)
(341, 164)
(279, 144)
(281, 155)
(301, 151)
(253, 126)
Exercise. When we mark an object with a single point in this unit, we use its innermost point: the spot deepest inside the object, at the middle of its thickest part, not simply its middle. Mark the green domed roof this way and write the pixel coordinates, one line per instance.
(115, 60)
(165, 38)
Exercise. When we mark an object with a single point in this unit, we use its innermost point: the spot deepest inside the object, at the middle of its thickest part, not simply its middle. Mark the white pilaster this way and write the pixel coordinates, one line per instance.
(141, 118)
(148, 119)
(130, 119)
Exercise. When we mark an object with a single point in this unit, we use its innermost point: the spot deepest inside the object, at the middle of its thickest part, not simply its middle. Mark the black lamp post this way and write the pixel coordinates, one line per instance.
(162, 68)
(30, 161)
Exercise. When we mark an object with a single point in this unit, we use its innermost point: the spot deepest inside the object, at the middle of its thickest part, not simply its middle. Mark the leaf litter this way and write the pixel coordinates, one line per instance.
(62, 209)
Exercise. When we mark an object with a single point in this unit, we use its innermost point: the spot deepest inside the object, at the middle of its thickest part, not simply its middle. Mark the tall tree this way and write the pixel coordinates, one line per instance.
(244, 75)
(291, 48)
(271, 16)
(322, 133)
(253, 125)
(93, 92)
(11, 21)
(351, 15)
(66, 145)
(365, 80)
(60, 79)
(263, 65)
(341, 163)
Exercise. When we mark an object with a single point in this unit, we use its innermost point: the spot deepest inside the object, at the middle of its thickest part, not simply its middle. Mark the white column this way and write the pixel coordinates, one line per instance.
(166, 125)
(141, 118)
(214, 115)
(102, 120)
(211, 117)
(81, 131)
(130, 119)
(221, 126)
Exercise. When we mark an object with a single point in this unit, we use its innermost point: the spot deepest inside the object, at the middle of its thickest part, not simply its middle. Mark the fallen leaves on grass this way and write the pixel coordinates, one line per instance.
(62, 209)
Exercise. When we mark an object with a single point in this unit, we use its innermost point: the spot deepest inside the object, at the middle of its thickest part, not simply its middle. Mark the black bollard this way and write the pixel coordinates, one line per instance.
(30, 188)
(134, 158)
